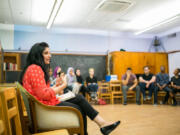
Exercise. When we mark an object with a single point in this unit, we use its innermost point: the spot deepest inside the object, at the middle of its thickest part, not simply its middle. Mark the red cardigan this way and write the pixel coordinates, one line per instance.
(35, 84)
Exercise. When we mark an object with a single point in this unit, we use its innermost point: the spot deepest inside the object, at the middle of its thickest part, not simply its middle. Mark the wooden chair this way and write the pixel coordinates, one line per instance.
(88, 98)
(161, 95)
(115, 88)
(12, 114)
(48, 118)
(177, 97)
(2, 128)
(87, 94)
(152, 99)
(131, 94)
(10, 109)
(104, 91)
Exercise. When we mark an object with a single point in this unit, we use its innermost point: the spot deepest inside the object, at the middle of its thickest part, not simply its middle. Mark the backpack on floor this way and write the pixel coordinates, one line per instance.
(101, 102)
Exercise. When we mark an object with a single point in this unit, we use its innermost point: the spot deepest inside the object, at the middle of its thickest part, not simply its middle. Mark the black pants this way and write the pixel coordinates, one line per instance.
(80, 103)
(143, 88)
(174, 91)
(83, 89)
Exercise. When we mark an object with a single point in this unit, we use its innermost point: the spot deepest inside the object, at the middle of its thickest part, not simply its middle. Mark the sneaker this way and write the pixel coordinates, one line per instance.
(125, 103)
(148, 98)
(174, 104)
(164, 102)
(155, 104)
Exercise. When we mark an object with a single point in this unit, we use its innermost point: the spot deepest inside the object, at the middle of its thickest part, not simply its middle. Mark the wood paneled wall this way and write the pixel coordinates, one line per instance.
(137, 60)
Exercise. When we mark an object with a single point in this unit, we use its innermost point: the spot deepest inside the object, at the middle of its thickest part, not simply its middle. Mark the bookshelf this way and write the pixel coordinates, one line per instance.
(12, 62)
(11, 67)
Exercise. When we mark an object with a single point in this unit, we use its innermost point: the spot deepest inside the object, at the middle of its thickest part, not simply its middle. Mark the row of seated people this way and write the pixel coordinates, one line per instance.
(152, 83)
(147, 81)
(75, 81)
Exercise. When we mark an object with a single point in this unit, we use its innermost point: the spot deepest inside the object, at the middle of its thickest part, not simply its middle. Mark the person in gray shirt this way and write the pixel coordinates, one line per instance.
(130, 83)
(162, 81)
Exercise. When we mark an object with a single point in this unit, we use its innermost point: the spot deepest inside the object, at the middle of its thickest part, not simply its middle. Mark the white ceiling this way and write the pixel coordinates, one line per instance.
(80, 14)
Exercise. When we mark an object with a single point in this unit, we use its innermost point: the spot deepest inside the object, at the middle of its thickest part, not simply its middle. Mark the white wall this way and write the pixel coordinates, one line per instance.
(172, 44)
(130, 44)
(75, 40)
(174, 62)
(7, 39)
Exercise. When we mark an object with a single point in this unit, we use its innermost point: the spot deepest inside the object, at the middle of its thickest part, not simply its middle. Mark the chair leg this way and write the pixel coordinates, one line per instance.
(70, 131)
(142, 101)
(112, 100)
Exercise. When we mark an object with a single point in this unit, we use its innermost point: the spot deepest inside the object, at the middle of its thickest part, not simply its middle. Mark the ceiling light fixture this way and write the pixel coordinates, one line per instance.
(54, 12)
(158, 24)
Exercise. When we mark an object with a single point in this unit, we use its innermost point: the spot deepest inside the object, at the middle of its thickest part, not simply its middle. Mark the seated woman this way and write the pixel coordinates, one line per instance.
(54, 75)
(35, 79)
(80, 82)
(57, 70)
(72, 81)
(92, 86)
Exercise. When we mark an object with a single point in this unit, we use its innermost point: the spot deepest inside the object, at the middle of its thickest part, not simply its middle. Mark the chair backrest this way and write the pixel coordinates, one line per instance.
(30, 102)
(11, 111)
(30, 107)
(115, 85)
(21, 92)
(38, 111)
(104, 87)
(2, 130)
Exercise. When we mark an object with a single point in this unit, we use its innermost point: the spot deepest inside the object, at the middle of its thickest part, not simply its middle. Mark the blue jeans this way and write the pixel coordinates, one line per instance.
(166, 89)
(125, 88)
(92, 90)
(151, 89)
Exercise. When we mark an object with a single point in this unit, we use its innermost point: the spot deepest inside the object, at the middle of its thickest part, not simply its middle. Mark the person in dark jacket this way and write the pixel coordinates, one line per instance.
(162, 81)
(80, 81)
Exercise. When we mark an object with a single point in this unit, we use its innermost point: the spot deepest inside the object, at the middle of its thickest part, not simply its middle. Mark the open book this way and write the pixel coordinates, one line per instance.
(66, 96)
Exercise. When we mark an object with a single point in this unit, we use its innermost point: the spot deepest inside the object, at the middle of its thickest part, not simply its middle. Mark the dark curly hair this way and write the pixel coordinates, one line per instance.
(35, 56)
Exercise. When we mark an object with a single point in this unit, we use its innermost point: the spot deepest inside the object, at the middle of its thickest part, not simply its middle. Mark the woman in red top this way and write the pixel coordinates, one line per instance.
(35, 79)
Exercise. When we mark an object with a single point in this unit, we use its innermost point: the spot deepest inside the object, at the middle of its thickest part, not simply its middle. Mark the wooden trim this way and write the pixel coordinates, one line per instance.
(62, 53)
(116, 52)
(74, 54)
(176, 51)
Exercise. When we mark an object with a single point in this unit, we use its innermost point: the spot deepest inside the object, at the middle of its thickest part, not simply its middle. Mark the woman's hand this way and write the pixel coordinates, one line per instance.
(61, 92)
(61, 84)
(58, 81)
